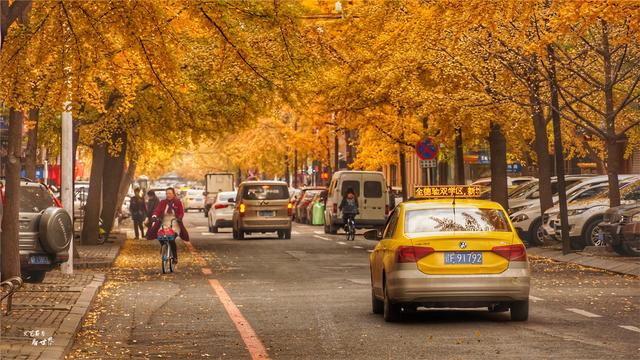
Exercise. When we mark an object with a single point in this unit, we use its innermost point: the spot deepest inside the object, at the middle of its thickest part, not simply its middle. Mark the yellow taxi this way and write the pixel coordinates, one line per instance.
(449, 250)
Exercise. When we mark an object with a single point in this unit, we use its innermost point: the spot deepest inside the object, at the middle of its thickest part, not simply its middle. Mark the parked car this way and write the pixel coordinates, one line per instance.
(195, 200)
(511, 181)
(261, 207)
(371, 189)
(45, 231)
(161, 193)
(320, 197)
(304, 202)
(221, 212)
(621, 229)
(527, 216)
(585, 216)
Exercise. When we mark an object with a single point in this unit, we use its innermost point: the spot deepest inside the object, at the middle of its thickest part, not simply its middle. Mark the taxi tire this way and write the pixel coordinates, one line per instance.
(240, 234)
(519, 310)
(377, 306)
(391, 312)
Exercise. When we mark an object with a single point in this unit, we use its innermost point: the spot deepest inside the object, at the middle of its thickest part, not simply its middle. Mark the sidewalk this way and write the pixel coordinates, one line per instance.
(595, 257)
(45, 317)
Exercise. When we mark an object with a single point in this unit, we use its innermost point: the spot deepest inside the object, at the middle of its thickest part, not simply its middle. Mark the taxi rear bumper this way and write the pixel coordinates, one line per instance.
(414, 286)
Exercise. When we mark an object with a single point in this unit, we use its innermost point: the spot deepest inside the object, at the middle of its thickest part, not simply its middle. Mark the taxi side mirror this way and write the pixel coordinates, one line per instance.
(373, 235)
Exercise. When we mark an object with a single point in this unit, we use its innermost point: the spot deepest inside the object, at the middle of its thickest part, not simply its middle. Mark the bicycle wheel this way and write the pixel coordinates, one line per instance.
(165, 251)
(171, 256)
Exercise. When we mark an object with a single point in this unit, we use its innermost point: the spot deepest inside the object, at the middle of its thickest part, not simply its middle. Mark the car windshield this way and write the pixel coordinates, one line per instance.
(462, 219)
(523, 190)
(626, 189)
(265, 192)
(35, 199)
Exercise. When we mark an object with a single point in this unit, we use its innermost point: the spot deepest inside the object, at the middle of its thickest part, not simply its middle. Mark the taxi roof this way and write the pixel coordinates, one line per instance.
(439, 203)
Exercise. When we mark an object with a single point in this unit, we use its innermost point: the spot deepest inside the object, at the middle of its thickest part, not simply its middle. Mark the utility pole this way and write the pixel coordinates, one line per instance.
(295, 156)
(336, 144)
(557, 144)
(66, 191)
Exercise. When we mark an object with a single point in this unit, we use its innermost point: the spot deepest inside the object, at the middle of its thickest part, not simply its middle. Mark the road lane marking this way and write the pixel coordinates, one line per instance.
(318, 232)
(207, 271)
(357, 247)
(535, 298)
(322, 237)
(629, 327)
(208, 234)
(584, 313)
(342, 243)
(249, 336)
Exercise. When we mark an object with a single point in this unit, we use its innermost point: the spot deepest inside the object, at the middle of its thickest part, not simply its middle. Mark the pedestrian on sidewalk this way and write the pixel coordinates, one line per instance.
(138, 211)
(152, 204)
(166, 212)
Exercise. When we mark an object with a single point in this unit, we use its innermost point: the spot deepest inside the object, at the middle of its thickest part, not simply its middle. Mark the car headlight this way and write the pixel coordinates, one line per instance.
(574, 212)
(519, 218)
(635, 217)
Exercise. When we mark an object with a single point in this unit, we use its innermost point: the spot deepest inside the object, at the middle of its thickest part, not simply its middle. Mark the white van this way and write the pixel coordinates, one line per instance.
(373, 199)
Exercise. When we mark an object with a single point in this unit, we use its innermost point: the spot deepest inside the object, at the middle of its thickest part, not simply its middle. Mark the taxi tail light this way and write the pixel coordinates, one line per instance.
(290, 209)
(221, 206)
(411, 254)
(335, 208)
(514, 252)
(242, 209)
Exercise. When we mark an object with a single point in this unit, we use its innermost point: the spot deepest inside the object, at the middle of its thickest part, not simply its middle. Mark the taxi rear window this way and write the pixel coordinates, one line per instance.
(463, 219)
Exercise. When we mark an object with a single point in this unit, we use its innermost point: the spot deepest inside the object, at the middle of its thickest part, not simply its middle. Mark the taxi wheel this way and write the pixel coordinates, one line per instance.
(377, 306)
(391, 312)
(240, 234)
(214, 229)
(520, 310)
(235, 234)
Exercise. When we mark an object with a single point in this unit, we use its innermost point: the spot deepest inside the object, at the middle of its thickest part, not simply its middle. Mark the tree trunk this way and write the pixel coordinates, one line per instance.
(460, 180)
(613, 150)
(541, 146)
(9, 248)
(498, 150)
(30, 157)
(403, 175)
(127, 178)
(111, 179)
(90, 225)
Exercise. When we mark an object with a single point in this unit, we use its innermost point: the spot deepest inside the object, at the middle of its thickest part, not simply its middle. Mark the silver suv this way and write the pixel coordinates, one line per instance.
(45, 231)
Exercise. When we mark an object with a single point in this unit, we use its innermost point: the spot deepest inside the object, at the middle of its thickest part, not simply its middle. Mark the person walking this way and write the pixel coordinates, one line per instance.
(152, 204)
(138, 211)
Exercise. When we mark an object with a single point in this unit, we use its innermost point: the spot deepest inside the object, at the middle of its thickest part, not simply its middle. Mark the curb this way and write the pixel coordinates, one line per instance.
(65, 335)
(620, 267)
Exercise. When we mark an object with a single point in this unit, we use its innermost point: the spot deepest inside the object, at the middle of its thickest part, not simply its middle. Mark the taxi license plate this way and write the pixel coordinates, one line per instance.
(266, 213)
(462, 258)
(39, 260)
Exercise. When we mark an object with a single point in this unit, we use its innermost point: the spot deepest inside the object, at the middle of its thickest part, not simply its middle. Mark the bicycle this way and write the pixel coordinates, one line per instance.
(350, 228)
(166, 234)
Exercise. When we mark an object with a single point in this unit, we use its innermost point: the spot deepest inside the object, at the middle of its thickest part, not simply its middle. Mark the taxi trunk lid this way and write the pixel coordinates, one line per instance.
(465, 253)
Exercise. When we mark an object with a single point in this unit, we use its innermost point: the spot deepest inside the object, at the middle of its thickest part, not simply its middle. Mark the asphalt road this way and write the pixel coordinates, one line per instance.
(309, 298)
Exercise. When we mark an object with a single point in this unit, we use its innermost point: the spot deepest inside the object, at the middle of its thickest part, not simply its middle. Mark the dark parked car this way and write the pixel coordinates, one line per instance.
(621, 229)
(45, 231)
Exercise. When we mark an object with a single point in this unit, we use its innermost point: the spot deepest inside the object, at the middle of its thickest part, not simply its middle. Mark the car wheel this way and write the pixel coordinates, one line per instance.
(240, 234)
(592, 233)
(287, 234)
(214, 229)
(536, 233)
(280, 234)
(619, 249)
(33, 277)
(333, 229)
(235, 234)
(326, 228)
(630, 249)
(377, 306)
(519, 310)
(391, 312)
